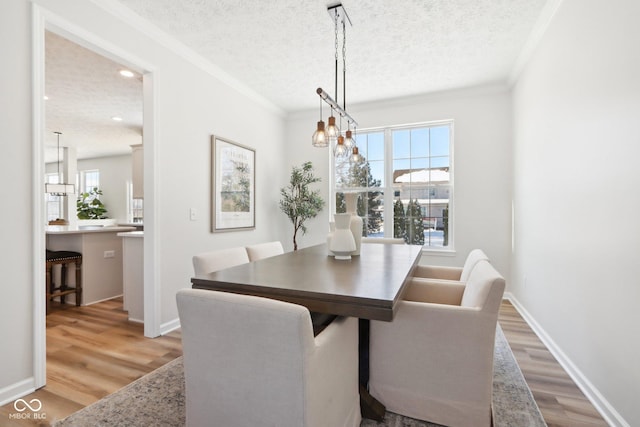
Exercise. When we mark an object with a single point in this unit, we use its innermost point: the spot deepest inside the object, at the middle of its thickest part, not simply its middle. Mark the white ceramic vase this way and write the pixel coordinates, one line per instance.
(342, 243)
(355, 223)
(332, 229)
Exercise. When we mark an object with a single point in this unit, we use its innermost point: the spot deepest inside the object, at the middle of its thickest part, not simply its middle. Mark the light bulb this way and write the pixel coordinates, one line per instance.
(319, 138)
(332, 131)
(355, 156)
(340, 150)
(349, 142)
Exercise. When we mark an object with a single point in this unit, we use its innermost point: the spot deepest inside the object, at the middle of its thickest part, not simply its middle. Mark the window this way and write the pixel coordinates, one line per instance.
(85, 181)
(405, 183)
(89, 179)
(53, 203)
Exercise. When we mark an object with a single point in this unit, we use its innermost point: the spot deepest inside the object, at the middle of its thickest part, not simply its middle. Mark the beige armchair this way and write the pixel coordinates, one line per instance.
(434, 361)
(208, 262)
(451, 273)
(253, 361)
(264, 250)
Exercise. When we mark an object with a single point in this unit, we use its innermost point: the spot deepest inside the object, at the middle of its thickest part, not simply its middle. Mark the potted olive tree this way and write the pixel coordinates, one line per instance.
(299, 202)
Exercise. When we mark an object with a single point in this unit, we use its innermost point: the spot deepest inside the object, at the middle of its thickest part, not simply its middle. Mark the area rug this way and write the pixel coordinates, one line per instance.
(157, 399)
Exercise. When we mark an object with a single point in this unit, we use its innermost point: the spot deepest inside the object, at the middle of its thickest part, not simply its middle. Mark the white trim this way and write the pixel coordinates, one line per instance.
(17, 390)
(37, 214)
(84, 38)
(98, 301)
(171, 325)
(50, 21)
(540, 27)
(152, 260)
(602, 405)
(131, 18)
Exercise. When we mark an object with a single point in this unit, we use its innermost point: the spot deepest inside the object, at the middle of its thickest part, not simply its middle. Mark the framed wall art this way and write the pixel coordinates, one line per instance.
(233, 178)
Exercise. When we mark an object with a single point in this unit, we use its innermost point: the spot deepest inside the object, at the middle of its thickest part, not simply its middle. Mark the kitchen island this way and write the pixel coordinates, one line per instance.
(133, 274)
(101, 250)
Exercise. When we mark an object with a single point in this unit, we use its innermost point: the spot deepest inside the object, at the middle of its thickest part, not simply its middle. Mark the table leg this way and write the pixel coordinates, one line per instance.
(370, 407)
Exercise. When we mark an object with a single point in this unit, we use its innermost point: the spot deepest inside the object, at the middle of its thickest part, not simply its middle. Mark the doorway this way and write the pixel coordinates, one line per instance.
(45, 22)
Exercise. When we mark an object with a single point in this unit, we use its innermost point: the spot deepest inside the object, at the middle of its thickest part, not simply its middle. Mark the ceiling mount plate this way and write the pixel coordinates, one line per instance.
(338, 9)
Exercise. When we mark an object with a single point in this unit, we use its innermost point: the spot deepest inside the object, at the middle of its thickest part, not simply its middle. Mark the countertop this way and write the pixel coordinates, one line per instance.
(66, 229)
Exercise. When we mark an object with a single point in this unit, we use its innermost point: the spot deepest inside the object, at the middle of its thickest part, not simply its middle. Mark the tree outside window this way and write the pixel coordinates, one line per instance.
(405, 183)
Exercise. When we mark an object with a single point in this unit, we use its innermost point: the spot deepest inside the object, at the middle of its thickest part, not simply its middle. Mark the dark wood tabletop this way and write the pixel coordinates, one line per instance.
(367, 286)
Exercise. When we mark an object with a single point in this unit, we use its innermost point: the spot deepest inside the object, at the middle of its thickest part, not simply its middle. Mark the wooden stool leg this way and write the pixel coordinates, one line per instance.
(79, 282)
(47, 289)
(63, 282)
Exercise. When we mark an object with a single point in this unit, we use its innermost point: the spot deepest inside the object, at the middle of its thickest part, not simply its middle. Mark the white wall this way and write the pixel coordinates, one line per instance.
(482, 162)
(115, 174)
(16, 327)
(191, 105)
(577, 145)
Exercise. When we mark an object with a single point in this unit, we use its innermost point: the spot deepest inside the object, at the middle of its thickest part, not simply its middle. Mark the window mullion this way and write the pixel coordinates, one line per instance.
(388, 186)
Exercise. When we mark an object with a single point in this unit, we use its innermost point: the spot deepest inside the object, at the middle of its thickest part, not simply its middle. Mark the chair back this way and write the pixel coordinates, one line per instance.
(208, 262)
(484, 288)
(392, 240)
(245, 358)
(264, 250)
(472, 259)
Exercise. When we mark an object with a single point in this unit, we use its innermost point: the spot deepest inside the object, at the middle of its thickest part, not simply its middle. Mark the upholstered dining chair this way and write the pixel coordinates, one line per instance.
(208, 262)
(451, 273)
(264, 250)
(252, 361)
(434, 362)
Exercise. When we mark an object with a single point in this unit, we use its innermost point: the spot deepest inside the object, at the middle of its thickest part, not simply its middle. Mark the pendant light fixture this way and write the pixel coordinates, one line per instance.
(319, 138)
(59, 189)
(343, 145)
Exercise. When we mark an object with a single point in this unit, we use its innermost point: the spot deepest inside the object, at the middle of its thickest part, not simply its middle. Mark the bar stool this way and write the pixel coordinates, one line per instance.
(64, 258)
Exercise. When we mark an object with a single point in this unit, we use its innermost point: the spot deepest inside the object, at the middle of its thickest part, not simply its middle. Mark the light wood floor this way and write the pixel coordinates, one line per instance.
(561, 402)
(93, 351)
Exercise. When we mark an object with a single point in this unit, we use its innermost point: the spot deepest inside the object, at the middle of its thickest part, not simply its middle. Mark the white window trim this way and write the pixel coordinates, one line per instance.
(449, 250)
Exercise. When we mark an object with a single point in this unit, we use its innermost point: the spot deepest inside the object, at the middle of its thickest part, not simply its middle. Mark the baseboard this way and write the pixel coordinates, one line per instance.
(172, 325)
(602, 405)
(102, 300)
(17, 390)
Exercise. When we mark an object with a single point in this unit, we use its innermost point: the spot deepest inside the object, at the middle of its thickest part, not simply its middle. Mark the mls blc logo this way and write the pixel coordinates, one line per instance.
(21, 406)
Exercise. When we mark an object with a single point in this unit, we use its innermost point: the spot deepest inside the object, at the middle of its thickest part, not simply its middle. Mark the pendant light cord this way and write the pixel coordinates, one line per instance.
(336, 55)
(58, 134)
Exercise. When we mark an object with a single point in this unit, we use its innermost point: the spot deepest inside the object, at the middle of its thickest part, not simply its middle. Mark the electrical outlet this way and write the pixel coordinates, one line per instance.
(109, 254)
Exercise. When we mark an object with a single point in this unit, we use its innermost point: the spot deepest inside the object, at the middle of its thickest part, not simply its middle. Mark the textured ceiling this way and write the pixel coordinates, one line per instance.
(85, 90)
(284, 49)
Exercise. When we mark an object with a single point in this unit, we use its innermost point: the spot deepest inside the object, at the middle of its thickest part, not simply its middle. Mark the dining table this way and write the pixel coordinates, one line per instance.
(367, 286)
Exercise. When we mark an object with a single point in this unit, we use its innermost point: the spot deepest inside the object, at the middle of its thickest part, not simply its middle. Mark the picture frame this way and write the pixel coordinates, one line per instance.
(233, 186)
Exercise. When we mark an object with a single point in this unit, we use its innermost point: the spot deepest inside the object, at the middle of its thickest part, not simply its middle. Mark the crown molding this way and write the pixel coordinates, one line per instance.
(142, 25)
(539, 29)
(492, 88)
